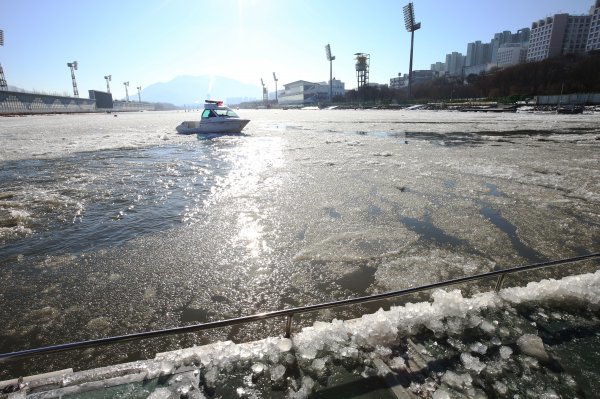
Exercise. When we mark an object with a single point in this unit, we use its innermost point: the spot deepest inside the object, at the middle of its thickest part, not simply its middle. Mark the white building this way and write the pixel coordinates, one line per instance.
(302, 92)
(399, 82)
(593, 40)
(511, 54)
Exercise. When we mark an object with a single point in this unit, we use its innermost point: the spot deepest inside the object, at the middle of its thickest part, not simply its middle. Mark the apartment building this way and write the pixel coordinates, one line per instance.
(593, 40)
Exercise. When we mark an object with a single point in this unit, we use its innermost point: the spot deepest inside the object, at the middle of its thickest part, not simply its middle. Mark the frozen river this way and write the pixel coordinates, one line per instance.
(115, 224)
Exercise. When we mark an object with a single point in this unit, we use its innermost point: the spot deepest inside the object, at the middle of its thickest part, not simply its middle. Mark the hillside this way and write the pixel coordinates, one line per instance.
(184, 90)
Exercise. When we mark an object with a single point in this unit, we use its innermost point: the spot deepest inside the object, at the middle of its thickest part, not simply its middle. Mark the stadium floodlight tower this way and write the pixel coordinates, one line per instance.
(3, 84)
(411, 26)
(330, 58)
(126, 84)
(73, 67)
(276, 80)
(108, 79)
(265, 92)
(139, 89)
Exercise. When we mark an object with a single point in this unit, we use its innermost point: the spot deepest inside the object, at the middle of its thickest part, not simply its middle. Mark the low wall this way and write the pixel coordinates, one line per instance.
(13, 102)
(568, 99)
(132, 106)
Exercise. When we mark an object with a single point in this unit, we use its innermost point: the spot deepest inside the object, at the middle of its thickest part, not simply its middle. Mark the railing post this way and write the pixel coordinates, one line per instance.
(499, 282)
(288, 325)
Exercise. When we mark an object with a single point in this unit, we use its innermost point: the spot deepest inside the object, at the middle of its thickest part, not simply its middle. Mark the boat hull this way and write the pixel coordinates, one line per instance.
(213, 126)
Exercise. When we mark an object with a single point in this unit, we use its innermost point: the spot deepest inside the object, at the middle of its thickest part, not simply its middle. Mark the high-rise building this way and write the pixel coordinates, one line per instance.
(511, 54)
(522, 36)
(498, 40)
(593, 40)
(557, 35)
(478, 53)
(439, 67)
(455, 63)
(576, 34)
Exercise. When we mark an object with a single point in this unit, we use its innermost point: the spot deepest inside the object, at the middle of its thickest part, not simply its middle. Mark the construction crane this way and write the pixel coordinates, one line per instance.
(73, 67)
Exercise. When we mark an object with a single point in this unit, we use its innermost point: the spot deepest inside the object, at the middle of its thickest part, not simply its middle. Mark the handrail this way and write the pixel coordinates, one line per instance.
(289, 313)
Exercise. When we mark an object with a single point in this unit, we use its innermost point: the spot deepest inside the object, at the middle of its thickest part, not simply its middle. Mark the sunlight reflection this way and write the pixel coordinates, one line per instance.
(251, 175)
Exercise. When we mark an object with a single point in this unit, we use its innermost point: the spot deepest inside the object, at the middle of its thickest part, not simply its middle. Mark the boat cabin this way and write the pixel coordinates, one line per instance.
(216, 109)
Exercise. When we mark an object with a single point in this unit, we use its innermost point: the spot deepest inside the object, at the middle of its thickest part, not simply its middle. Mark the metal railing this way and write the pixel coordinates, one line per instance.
(288, 313)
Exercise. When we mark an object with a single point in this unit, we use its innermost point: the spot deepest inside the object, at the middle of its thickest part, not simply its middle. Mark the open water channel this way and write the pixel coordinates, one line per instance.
(114, 224)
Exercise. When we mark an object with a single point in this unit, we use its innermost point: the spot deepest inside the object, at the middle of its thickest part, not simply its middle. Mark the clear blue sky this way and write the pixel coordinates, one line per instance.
(149, 41)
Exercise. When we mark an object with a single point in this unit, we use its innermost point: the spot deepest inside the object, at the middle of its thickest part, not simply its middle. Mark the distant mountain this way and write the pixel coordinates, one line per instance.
(184, 90)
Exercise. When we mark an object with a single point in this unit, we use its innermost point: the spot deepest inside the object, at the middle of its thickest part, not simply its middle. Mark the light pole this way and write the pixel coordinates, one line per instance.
(126, 84)
(330, 58)
(108, 79)
(3, 84)
(275, 79)
(139, 89)
(411, 26)
(73, 67)
(265, 93)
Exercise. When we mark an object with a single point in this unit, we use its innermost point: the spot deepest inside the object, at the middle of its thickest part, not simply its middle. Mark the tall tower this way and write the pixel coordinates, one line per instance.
(362, 69)
(73, 67)
(108, 79)
(265, 93)
(411, 26)
(126, 84)
(3, 85)
(276, 80)
(330, 58)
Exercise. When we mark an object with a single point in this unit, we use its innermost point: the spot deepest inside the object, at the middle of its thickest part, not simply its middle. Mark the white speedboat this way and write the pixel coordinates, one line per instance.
(216, 118)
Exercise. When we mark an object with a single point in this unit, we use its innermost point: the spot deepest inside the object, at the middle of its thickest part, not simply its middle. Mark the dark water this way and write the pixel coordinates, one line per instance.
(133, 238)
(98, 200)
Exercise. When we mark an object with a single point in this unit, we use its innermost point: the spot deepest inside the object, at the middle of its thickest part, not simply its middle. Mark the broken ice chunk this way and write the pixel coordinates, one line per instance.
(533, 346)
(472, 363)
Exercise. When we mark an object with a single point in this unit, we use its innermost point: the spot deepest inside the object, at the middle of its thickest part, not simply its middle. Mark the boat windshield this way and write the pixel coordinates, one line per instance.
(226, 112)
